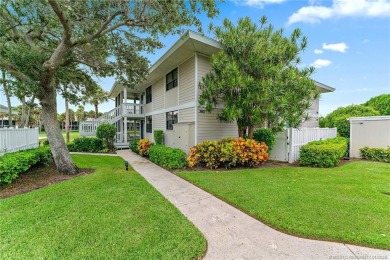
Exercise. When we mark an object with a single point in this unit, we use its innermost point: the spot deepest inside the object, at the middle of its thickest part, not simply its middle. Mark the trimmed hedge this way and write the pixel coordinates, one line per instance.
(325, 153)
(13, 164)
(167, 157)
(158, 136)
(375, 154)
(134, 145)
(88, 145)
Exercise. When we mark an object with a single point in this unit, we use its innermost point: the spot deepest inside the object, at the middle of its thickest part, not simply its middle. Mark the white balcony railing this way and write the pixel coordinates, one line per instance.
(88, 128)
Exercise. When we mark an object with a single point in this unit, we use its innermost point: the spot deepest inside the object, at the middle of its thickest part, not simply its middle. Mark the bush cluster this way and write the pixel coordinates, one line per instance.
(167, 157)
(88, 145)
(143, 147)
(265, 135)
(134, 145)
(158, 136)
(228, 153)
(13, 164)
(107, 132)
(324, 153)
(338, 118)
(375, 154)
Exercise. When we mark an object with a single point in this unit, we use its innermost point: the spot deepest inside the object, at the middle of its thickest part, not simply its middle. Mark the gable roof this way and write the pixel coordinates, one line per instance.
(181, 50)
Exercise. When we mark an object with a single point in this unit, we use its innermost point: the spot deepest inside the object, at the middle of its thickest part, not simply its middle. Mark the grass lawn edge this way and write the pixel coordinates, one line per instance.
(267, 223)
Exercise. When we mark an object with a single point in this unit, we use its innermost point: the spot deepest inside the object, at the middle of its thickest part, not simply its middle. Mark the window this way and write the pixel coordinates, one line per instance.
(148, 124)
(148, 94)
(171, 79)
(171, 119)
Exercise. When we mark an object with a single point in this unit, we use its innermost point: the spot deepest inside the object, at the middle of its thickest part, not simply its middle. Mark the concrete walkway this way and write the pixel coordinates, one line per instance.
(230, 233)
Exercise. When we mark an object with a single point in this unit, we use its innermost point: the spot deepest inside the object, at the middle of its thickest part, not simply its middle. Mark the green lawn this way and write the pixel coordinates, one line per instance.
(72, 135)
(109, 214)
(348, 203)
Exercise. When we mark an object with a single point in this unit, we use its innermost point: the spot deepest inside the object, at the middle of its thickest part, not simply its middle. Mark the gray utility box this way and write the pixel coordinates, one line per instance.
(184, 136)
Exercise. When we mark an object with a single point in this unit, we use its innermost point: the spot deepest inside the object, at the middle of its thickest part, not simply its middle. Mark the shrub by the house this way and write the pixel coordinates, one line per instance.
(324, 153)
(167, 157)
(265, 135)
(13, 164)
(143, 147)
(107, 133)
(228, 153)
(134, 145)
(376, 154)
(87, 144)
(158, 136)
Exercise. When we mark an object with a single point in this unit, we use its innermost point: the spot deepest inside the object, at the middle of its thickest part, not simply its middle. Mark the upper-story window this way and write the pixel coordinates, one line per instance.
(171, 79)
(148, 94)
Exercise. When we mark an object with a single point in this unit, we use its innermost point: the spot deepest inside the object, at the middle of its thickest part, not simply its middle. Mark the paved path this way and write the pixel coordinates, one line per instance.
(230, 233)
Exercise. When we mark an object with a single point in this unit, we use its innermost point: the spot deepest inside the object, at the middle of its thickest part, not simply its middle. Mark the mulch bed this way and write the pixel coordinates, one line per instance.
(35, 178)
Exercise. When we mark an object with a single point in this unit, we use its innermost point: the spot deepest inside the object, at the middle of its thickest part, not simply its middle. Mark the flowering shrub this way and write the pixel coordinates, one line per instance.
(143, 147)
(250, 152)
(228, 153)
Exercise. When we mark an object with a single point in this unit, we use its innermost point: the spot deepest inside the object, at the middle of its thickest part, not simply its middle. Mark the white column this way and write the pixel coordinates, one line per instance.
(125, 118)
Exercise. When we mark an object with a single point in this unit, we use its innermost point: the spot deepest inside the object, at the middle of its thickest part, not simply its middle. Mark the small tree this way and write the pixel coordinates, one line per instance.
(257, 77)
(107, 133)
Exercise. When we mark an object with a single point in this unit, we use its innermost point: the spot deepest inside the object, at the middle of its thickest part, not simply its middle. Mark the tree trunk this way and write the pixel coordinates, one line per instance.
(96, 111)
(22, 119)
(62, 159)
(8, 96)
(251, 130)
(67, 119)
(29, 110)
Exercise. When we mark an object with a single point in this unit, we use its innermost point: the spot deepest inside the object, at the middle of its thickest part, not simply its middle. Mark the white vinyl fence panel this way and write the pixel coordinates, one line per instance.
(288, 143)
(12, 140)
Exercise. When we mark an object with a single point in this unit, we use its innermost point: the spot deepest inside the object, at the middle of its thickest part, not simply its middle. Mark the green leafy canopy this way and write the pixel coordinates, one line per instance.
(257, 76)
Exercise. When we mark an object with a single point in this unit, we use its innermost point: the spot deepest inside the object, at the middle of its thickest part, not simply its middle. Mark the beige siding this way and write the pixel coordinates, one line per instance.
(204, 66)
(158, 123)
(171, 97)
(168, 138)
(313, 115)
(187, 115)
(148, 107)
(373, 132)
(158, 90)
(186, 81)
(210, 128)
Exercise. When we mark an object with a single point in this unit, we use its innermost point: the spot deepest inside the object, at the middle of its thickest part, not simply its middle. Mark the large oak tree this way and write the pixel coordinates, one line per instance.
(38, 39)
(257, 77)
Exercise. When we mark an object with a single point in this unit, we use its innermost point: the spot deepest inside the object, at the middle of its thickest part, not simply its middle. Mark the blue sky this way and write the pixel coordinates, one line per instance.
(349, 43)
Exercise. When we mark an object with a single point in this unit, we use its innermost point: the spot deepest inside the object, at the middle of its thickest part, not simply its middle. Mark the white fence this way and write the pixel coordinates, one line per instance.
(289, 142)
(12, 140)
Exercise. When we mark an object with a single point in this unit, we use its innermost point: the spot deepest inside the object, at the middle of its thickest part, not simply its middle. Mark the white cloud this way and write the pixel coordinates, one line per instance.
(365, 40)
(340, 47)
(340, 8)
(317, 51)
(320, 63)
(257, 3)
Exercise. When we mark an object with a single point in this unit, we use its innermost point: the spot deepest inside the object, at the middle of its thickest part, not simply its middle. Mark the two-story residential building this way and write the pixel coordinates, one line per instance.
(168, 100)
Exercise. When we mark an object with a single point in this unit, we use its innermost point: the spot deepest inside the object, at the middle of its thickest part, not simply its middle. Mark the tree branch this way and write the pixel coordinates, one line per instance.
(63, 20)
(13, 71)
